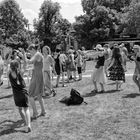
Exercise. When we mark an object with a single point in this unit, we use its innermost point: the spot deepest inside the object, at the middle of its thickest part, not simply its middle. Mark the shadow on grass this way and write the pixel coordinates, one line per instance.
(93, 94)
(4, 97)
(11, 127)
(112, 83)
(131, 95)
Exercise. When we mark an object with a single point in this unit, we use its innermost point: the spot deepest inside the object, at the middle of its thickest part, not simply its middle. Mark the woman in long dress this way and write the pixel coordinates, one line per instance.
(36, 84)
(48, 65)
(136, 58)
(1, 68)
(116, 68)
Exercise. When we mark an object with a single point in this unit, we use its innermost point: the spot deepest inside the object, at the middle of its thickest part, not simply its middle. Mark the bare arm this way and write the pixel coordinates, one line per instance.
(112, 62)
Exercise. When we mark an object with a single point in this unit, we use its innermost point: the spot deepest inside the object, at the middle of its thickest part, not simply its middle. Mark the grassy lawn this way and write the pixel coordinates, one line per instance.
(108, 116)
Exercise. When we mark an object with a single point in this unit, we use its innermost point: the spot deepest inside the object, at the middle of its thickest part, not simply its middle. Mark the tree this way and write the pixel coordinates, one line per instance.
(48, 17)
(117, 5)
(11, 18)
(133, 19)
(99, 25)
(62, 27)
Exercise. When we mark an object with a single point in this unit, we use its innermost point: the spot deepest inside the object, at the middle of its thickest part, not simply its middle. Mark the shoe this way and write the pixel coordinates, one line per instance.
(64, 85)
(79, 79)
(53, 92)
(56, 86)
(42, 114)
(102, 91)
(34, 117)
(29, 129)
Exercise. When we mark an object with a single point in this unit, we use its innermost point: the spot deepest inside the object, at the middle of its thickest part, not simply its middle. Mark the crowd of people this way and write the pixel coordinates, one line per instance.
(110, 64)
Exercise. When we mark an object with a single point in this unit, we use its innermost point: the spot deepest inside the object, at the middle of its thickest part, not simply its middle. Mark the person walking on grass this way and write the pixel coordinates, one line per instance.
(36, 87)
(116, 68)
(48, 65)
(98, 75)
(79, 63)
(136, 58)
(59, 69)
(84, 56)
(20, 93)
(1, 68)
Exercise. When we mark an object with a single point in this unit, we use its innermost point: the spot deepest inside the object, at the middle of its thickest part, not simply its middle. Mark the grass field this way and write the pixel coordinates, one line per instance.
(114, 115)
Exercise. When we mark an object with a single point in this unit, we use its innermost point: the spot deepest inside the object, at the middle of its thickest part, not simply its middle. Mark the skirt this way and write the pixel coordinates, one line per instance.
(21, 98)
(37, 84)
(117, 73)
(99, 75)
(47, 81)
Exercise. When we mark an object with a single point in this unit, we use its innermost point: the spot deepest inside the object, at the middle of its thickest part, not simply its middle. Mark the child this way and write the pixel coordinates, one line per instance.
(20, 93)
(116, 68)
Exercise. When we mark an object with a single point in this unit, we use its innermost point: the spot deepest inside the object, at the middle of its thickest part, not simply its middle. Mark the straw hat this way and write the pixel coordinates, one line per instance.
(136, 47)
(99, 47)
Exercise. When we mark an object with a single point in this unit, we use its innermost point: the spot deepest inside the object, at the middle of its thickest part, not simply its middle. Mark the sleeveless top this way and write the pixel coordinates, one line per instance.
(100, 61)
(57, 63)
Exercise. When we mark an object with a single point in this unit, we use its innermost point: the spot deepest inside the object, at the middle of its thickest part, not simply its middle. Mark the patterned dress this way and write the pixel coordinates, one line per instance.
(116, 71)
(19, 90)
(36, 85)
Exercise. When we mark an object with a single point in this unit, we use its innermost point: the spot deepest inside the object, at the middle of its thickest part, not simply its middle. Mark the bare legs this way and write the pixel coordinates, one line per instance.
(41, 102)
(57, 80)
(95, 87)
(137, 81)
(25, 115)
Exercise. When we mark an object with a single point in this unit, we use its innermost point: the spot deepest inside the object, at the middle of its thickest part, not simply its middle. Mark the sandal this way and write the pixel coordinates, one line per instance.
(34, 117)
(28, 130)
(53, 92)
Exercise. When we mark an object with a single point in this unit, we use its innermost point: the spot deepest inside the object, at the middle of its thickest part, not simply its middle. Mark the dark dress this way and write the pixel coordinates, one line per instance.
(20, 93)
(57, 65)
(116, 71)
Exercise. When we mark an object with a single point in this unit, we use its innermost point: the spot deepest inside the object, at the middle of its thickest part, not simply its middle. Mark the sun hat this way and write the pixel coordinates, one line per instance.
(136, 47)
(99, 47)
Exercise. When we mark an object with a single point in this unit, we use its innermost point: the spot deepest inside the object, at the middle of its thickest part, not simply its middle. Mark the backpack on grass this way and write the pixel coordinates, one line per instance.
(74, 99)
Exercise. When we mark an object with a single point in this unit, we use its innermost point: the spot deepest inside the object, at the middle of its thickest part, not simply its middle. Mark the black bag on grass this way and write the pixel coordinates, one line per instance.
(74, 99)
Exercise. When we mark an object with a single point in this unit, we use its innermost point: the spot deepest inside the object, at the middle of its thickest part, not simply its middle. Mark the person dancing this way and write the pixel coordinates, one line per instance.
(20, 93)
(36, 86)
(48, 62)
(136, 58)
(98, 75)
(116, 68)
(1, 68)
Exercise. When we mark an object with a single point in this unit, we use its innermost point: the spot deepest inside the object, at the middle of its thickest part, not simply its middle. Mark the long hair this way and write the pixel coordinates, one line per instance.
(14, 65)
(48, 49)
(116, 54)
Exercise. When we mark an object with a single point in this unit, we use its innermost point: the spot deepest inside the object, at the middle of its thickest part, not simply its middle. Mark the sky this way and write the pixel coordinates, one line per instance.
(69, 9)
